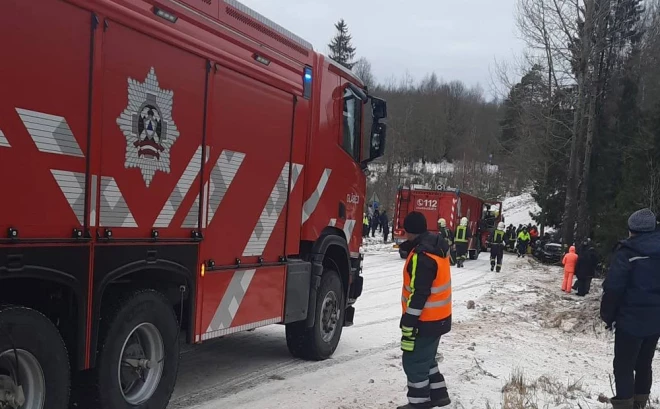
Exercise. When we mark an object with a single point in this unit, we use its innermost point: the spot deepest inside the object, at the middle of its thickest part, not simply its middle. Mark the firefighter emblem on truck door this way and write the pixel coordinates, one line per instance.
(148, 127)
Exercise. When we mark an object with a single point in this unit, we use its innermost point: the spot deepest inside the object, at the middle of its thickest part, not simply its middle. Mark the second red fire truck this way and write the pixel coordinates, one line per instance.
(452, 205)
(169, 166)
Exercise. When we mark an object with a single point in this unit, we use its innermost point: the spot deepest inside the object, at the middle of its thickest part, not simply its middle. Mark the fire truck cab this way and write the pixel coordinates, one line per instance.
(169, 167)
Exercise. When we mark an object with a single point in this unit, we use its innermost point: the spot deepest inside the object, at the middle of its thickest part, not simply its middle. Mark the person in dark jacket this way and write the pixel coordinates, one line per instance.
(375, 221)
(496, 240)
(385, 225)
(446, 234)
(426, 314)
(586, 268)
(631, 306)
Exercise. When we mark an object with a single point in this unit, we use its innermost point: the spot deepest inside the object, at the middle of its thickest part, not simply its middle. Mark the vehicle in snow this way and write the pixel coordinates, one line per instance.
(551, 253)
(169, 167)
(450, 204)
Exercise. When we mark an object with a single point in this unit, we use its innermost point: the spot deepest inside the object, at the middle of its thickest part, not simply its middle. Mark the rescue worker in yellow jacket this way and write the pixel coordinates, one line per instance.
(462, 240)
(426, 313)
(497, 244)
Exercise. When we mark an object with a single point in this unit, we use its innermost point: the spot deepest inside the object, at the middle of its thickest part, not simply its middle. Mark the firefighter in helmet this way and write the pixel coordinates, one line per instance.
(461, 240)
(497, 244)
(426, 314)
(446, 235)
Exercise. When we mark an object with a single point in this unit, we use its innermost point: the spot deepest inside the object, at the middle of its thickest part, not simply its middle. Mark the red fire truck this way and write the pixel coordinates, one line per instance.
(451, 205)
(169, 166)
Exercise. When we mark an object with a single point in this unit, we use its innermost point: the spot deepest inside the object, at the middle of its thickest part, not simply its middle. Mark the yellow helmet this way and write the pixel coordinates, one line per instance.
(442, 222)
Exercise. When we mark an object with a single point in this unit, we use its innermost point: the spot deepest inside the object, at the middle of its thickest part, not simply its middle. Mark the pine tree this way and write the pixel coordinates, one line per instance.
(341, 49)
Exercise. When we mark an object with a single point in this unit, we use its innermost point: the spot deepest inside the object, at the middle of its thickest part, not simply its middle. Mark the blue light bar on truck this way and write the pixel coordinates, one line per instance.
(307, 82)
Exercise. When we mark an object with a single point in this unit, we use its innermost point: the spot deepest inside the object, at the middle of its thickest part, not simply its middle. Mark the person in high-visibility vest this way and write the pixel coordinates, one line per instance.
(461, 239)
(523, 242)
(446, 235)
(426, 314)
(497, 244)
(365, 225)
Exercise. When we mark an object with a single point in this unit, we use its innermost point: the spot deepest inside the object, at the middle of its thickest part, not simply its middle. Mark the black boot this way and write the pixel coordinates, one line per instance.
(444, 401)
(640, 401)
(427, 405)
(498, 269)
(492, 267)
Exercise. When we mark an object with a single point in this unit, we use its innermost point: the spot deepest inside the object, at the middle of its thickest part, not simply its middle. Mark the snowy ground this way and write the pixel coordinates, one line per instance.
(522, 325)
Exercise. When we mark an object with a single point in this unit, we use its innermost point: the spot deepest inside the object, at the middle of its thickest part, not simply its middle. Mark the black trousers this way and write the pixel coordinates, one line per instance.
(386, 233)
(425, 382)
(461, 251)
(633, 358)
(583, 286)
(496, 254)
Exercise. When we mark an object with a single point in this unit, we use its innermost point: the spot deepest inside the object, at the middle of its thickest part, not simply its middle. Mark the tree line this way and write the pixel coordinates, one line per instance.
(580, 124)
(429, 121)
(585, 117)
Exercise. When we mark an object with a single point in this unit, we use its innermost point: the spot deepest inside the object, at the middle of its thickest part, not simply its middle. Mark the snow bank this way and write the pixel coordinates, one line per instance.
(516, 209)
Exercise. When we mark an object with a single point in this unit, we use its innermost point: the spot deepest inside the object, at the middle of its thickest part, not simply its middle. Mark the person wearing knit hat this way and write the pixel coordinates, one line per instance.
(631, 306)
(642, 221)
(425, 313)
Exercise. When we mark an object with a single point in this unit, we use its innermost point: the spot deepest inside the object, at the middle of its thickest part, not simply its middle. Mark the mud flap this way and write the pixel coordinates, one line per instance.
(349, 314)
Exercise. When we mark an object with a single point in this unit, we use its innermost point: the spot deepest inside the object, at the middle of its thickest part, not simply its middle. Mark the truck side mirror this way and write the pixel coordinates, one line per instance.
(378, 108)
(377, 142)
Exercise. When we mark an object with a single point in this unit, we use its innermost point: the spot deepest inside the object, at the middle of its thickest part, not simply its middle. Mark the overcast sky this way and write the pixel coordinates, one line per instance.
(458, 39)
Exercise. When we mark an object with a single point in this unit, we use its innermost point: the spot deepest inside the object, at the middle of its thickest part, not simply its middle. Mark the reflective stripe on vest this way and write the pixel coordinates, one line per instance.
(499, 235)
(461, 234)
(438, 304)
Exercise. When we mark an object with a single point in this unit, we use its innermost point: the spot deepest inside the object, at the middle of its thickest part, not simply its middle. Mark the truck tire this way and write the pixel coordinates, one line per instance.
(320, 341)
(43, 360)
(140, 326)
(474, 254)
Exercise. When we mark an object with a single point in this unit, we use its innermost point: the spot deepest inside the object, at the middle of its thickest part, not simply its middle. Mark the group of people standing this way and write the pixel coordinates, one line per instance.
(375, 220)
(457, 240)
(581, 264)
(521, 238)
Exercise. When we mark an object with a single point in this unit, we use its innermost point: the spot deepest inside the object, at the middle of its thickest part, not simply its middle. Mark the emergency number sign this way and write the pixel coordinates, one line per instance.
(426, 204)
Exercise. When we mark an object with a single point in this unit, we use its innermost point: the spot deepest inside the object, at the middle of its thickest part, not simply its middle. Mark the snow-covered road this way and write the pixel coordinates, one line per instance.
(523, 327)
(243, 371)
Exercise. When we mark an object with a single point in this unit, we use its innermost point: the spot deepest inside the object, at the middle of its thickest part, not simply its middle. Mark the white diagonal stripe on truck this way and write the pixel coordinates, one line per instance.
(51, 133)
(313, 201)
(221, 177)
(72, 185)
(3, 140)
(231, 300)
(180, 190)
(271, 211)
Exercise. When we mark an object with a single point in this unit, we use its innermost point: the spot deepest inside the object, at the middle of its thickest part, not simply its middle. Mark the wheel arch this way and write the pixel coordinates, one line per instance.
(56, 294)
(164, 276)
(329, 251)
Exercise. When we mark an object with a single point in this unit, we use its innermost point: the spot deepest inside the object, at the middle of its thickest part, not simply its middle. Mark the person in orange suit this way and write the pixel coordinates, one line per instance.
(569, 262)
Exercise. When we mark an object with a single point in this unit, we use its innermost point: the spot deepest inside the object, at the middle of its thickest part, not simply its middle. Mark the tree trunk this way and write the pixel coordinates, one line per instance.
(570, 206)
(596, 89)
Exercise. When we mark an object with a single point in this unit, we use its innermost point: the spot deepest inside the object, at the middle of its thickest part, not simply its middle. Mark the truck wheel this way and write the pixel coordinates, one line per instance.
(320, 341)
(29, 338)
(139, 359)
(474, 254)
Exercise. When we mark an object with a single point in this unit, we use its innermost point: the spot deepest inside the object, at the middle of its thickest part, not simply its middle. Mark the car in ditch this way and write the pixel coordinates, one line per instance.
(550, 253)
